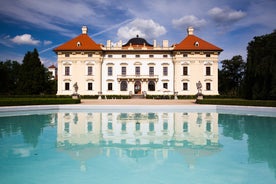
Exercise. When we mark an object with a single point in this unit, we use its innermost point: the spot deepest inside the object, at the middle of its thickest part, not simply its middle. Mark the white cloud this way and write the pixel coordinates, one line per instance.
(5, 40)
(22, 152)
(25, 39)
(189, 20)
(47, 42)
(51, 14)
(226, 15)
(145, 28)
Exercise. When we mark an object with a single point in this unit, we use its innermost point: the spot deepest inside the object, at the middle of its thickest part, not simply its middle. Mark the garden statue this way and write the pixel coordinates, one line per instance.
(199, 87)
(76, 87)
(199, 90)
(75, 94)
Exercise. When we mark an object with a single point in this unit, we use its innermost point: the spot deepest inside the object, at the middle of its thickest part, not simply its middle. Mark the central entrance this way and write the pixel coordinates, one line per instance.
(137, 87)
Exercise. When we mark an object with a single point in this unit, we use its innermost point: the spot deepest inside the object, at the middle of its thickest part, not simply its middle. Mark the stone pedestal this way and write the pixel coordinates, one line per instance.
(100, 95)
(175, 95)
(199, 96)
(75, 96)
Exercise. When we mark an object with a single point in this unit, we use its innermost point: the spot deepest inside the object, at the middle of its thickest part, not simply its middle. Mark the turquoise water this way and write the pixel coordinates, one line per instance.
(144, 147)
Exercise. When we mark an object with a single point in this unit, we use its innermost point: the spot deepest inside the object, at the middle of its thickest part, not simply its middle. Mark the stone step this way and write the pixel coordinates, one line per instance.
(137, 96)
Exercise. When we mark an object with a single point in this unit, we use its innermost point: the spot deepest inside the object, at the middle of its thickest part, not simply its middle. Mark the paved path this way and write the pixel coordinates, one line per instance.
(136, 102)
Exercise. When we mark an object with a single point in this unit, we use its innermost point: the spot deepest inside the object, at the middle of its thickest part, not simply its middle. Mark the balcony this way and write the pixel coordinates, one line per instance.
(137, 77)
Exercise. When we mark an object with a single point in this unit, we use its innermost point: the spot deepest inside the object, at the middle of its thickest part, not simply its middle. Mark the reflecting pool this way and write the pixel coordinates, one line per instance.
(137, 147)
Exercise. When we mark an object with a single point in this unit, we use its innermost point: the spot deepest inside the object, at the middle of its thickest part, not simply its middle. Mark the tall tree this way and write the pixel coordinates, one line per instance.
(33, 75)
(231, 76)
(9, 76)
(260, 73)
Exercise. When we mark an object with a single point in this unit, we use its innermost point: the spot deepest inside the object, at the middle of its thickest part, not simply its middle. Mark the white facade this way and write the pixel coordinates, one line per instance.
(137, 67)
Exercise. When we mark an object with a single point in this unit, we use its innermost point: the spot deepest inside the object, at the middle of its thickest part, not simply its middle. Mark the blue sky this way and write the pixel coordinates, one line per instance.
(229, 24)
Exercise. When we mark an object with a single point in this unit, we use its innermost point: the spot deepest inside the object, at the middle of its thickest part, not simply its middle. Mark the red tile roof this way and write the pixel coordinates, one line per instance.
(80, 43)
(52, 66)
(194, 43)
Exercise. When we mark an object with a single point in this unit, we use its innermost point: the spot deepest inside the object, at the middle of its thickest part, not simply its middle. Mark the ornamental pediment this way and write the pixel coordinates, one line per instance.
(208, 62)
(151, 64)
(124, 64)
(185, 62)
(137, 63)
(89, 62)
(109, 64)
(67, 62)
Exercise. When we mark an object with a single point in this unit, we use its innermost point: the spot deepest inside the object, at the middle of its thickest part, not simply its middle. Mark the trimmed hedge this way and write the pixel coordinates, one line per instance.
(180, 97)
(159, 97)
(106, 96)
(236, 101)
(37, 101)
(116, 96)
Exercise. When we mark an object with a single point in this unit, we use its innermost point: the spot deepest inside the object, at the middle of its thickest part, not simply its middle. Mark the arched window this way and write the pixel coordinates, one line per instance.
(151, 85)
(123, 85)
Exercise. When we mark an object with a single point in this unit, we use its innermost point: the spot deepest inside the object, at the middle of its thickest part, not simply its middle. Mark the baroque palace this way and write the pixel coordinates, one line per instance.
(137, 66)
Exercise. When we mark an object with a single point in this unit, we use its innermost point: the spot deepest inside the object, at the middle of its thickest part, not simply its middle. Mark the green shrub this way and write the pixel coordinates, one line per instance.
(37, 101)
(160, 96)
(90, 96)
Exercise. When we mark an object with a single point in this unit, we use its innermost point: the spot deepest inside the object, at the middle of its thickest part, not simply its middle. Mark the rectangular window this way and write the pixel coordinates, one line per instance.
(185, 55)
(165, 85)
(208, 70)
(208, 86)
(90, 86)
(89, 54)
(67, 55)
(109, 71)
(89, 70)
(185, 70)
(109, 125)
(151, 126)
(109, 56)
(123, 70)
(67, 86)
(208, 55)
(185, 127)
(67, 70)
(165, 125)
(109, 86)
(165, 71)
(137, 56)
(165, 56)
(208, 126)
(123, 56)
(185, 86)
(89, 127)
(137, 70)
(151, 56)
(123, 128)
(151, 70)
(67, 127)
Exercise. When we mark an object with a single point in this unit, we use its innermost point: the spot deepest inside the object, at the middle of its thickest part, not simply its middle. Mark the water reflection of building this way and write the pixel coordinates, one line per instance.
(135, 135)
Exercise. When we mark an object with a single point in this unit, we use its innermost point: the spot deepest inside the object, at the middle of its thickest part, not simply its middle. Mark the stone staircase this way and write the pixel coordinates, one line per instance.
(140, 96)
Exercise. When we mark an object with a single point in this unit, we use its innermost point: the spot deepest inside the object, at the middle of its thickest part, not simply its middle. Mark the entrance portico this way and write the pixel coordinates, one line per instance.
(137, 87)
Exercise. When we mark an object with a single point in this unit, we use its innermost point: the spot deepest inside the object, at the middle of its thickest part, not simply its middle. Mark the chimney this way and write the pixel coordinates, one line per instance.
(108, 44)
(190, 30)
(154, 43)
(120, 43)
(165, 43)
(84, 29)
